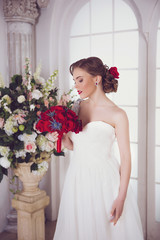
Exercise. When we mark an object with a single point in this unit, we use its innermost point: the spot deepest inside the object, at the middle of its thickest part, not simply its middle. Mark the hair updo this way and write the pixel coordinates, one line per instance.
(95, 66)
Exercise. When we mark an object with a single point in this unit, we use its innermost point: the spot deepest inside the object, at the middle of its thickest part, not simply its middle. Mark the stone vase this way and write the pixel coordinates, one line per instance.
(30, 204)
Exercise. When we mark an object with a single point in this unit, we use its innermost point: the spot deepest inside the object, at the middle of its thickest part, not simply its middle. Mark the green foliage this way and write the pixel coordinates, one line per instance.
(34, 167)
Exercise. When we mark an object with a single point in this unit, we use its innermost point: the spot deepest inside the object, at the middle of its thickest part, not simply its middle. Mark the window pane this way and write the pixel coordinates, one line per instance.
(157, 196)
(127, 92)
(124, 16)
(132, 114)
(157, 165)
(101, 16)
(134, 157)
(80, 24)
(126, 50)
(79, 48)
(158, 126)
(158, 48)
(133, 183)
(102, 47)
(158, 88)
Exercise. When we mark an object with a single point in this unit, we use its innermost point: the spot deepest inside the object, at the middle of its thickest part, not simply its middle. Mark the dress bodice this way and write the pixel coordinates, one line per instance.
(95, 142)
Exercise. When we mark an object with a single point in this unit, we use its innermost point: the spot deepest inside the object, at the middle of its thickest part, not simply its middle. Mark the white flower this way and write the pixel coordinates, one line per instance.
(7, 108)
(21, 153)
(28, 137)
(9, 125)
(32, 107)
(40, 80)
(4, 162)
(30, 147)
(49, 146)
(41, 142)
(7, 99)
(21, 99)
(42, 168)
(4, 151)
(36, 94)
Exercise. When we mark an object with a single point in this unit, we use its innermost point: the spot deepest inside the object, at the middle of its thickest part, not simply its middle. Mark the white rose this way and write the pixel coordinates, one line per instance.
(7, 99)
(20, 153)
(41, 142)
(4, 162)
(8, 126)
(36, 94)
(42, 168)
(4, 151)
(28, 137)
(32, 107)
(21, 99)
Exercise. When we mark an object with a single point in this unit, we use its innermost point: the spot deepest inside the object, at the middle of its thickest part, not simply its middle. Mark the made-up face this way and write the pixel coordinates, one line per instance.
(84, 83)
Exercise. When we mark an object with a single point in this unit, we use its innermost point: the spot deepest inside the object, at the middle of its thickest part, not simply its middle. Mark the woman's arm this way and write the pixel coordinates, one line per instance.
(122, 133)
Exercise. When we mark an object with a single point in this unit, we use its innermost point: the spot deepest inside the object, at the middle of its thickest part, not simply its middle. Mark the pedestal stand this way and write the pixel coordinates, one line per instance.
(30, 211)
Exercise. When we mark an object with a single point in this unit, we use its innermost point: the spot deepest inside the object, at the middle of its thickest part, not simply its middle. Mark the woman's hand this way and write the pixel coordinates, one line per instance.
(52, 136)
(116, 210)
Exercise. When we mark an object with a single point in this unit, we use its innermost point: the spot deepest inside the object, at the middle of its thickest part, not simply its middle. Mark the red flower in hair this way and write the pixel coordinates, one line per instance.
(114, 72)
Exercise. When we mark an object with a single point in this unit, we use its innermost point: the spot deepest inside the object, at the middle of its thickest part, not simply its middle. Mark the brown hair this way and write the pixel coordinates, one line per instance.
(95, 66)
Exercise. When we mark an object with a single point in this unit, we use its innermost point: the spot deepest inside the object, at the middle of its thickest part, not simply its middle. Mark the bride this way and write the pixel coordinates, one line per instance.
(96, 202)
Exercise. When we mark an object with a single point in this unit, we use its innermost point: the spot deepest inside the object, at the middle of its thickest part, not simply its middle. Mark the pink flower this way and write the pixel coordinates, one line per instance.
(20, 118)
(64, 100)
(30, 147)
(1, 122)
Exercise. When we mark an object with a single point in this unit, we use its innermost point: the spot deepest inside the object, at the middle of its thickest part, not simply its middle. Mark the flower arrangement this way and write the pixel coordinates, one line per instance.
(20, 105)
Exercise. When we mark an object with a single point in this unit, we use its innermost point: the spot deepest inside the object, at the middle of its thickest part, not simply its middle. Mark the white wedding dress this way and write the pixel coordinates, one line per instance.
(91, 185)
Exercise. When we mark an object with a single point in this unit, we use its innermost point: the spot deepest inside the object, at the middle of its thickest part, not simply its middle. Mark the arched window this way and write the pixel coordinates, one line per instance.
(108, 29)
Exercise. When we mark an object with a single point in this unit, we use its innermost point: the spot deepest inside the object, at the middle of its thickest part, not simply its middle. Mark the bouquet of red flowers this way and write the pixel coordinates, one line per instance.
(59, 119)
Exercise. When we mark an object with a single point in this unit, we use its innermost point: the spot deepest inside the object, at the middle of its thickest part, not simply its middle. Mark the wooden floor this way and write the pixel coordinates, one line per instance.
(49, 232)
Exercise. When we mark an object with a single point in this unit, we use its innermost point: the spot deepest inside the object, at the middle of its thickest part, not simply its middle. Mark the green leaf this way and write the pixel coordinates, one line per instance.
(27, 158)
(58, 154)
(34, 167)
(12, 86)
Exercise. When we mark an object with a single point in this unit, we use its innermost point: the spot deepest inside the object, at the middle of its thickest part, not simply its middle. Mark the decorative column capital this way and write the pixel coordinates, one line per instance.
(20, 10)
(42, 3)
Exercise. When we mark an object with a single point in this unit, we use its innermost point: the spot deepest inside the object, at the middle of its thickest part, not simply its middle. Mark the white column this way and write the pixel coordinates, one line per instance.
(21, 18)
(20, 45)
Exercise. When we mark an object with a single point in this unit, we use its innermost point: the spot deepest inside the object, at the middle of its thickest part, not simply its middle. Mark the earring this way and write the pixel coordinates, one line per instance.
(96, 84)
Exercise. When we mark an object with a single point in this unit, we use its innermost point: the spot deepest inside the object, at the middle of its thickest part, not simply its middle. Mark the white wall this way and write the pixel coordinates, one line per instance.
(4, 186)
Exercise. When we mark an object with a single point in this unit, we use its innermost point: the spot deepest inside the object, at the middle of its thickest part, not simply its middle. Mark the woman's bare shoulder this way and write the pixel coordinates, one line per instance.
(119, 115)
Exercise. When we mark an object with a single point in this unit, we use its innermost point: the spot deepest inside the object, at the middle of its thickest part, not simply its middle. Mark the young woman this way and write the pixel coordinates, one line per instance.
(96, 203)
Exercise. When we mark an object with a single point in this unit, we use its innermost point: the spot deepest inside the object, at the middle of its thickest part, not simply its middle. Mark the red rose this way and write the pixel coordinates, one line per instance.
(70, 125)
(44, 116)
(60, 116)
(71, 115)
(78, 126)
(42, 126)
(114, 72)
